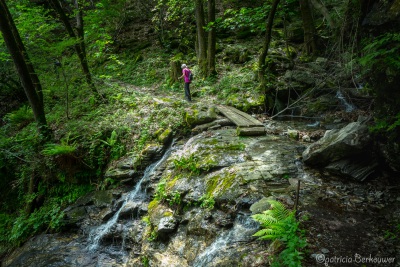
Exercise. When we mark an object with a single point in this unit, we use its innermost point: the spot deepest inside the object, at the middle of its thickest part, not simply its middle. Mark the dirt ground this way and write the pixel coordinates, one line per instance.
(350, 223)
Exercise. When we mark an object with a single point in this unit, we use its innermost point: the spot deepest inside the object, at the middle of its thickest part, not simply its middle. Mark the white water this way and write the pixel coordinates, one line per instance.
(348, 106)
(242, 230)
(137, 194)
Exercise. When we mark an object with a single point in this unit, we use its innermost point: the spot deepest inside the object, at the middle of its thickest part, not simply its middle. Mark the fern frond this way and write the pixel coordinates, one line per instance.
(264, 219)
(278, 210)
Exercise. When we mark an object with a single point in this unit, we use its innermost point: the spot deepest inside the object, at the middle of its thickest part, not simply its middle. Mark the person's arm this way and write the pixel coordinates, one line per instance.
(183, 74)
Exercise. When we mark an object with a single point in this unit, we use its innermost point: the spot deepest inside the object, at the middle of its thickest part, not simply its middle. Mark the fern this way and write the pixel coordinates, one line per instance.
(58, 149)
(279, 223)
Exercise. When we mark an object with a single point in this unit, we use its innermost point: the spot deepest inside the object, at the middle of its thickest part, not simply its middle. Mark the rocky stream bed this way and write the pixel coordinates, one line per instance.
(192, 205)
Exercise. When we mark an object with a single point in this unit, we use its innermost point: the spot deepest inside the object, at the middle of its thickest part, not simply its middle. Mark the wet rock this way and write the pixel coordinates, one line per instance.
(167, 225)
(73, 216)
(115, 232)
(132, 209)
(119, 174)
(100, 199)
(223, 219)
(148, 155)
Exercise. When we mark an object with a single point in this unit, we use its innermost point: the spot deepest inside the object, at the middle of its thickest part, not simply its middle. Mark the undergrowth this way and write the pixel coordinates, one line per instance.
(280, 225)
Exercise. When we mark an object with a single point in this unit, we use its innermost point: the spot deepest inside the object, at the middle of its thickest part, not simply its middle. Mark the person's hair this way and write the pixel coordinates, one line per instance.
(183, 66)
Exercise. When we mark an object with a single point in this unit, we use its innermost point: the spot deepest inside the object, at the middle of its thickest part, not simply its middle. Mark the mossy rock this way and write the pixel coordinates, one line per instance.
(165, 136)
(199, 116)
(245, 102)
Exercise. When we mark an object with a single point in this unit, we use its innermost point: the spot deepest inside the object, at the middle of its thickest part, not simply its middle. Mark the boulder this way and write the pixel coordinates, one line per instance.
(201, 115)
(167, 225)
(352, 140)
(345, 152)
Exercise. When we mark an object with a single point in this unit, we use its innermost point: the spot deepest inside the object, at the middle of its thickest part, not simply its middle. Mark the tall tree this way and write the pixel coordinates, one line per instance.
(262, 68)
(310, 43)
(79, 37)
(29, 79)
(201, 38)
(211, 38)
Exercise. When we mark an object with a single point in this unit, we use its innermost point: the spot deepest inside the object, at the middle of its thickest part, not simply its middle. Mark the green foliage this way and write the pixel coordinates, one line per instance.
(254, 18)
(117, 150)
(280, 224)
(58, 149)
(161, 194)
(153, 235)
(189, 164)
(174, 13)
(23, 115)
(145, 261)
(388, 124)
(207, 202)
(160, 190)
(47, 217)
(394, 233)
(146, 220)
(382, 52)
(174, 199)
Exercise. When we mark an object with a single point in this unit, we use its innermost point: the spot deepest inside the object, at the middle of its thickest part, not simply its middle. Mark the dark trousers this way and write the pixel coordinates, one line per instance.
(187, 92)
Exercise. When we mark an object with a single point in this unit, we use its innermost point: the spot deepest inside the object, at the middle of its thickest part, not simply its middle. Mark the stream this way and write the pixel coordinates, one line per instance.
(108, 228)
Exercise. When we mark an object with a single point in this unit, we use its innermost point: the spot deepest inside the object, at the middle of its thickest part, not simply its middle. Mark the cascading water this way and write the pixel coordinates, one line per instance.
(138, 194)
(348, 106)
(243, 229)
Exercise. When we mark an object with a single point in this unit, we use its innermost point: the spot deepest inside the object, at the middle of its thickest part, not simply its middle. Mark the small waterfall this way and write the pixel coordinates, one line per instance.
(348, 106)
(242, 230)
(137, 194)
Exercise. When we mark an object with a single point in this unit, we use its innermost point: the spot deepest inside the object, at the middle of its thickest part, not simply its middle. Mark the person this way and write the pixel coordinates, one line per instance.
(185, 74)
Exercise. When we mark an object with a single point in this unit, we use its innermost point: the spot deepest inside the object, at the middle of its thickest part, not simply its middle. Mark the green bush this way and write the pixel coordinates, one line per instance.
(22, 115)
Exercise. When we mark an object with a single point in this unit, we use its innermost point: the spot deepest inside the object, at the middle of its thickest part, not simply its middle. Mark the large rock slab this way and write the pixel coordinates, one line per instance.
(345, 152)
(352, 140)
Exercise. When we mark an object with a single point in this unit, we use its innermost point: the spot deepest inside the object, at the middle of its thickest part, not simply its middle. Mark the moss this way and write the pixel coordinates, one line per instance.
(158, 132)
(165, 136)
(167, 214)
(221, 183)
(232, 146)
(211, 141)
(191, 117)
(152, 205)
(170, 184)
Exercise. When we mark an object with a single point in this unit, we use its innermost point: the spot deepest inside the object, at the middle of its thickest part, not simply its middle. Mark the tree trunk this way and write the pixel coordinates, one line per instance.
(310, 43)
(79, 36)
(211, 39)
(175, 71)
(201, 36)
(29, 79)
(264, 52)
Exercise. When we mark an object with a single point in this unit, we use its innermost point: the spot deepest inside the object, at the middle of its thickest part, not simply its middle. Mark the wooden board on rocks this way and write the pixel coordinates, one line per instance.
(238, 117)
(247, 125)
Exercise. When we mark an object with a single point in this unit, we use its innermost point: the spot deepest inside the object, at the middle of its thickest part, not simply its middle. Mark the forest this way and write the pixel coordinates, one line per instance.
(85, 85)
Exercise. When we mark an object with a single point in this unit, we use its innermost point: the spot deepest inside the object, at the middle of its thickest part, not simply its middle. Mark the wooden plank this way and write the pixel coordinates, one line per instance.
(234, 117)
(247, 116)
(252, 131)
(238, 117)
